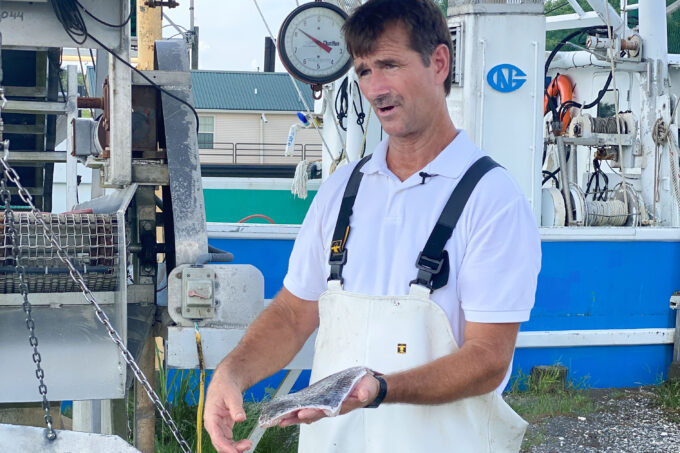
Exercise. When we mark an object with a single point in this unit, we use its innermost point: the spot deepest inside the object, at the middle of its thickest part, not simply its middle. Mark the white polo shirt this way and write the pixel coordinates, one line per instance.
(494, 252)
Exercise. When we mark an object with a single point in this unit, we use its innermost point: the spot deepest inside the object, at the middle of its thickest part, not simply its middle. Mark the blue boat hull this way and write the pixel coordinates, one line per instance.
(583, 286)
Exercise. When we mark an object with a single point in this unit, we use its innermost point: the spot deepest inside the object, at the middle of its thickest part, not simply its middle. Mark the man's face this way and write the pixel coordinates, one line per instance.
(401, 89)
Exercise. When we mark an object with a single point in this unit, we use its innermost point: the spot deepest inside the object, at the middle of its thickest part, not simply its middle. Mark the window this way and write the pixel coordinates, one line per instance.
(457, 57)
(206, 132)
(606, 108)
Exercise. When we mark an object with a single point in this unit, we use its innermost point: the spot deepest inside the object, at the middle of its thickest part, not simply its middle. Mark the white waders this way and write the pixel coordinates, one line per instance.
(395, 333)
(358, 330)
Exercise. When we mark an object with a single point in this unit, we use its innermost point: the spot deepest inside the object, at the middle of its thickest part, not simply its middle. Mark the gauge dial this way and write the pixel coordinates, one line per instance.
(312, 45)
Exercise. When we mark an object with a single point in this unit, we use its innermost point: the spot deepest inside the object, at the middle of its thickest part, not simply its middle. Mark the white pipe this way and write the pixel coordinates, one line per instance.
(670, 9)
(576, 7)
(578, 59)
(71, 161)
(480, 122)
(653, 30)
(535, 195)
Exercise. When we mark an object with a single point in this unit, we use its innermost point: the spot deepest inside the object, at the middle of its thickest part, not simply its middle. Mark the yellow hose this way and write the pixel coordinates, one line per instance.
(201, 396)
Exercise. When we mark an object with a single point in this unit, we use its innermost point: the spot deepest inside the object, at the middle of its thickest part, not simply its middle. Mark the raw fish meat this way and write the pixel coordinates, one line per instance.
(326, 394)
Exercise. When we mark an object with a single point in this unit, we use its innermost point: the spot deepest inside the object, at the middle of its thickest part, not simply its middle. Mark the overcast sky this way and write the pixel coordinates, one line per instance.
(231, 35)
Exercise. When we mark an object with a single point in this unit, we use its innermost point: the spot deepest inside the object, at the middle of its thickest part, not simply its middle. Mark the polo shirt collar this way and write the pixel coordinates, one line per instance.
(451, 162)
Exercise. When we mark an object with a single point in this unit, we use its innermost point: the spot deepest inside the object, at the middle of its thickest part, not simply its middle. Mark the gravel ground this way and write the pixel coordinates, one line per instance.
(624, 421)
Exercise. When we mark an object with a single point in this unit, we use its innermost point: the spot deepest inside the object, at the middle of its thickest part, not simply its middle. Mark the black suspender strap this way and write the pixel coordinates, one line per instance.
(433, 261)
(338, 256)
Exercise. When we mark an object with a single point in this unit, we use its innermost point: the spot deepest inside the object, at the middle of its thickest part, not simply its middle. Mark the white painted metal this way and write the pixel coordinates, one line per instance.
(507, 125)
(591, 234)
(568, 21)
(29, 439)
(71, 161)
(611, 337)
(607, 12)
(655, 104)
(239, 295)
(219, 342)
(578, 59)
(35, 24)
(574, 4)
(254, 183)
(252, 231)
(118, 172)
(57, 299)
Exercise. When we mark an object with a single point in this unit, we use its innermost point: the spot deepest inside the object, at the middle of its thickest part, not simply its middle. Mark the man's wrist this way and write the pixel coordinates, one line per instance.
(382, 391)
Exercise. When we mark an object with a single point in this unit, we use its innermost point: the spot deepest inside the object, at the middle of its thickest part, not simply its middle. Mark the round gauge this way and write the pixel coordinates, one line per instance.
(312, 45)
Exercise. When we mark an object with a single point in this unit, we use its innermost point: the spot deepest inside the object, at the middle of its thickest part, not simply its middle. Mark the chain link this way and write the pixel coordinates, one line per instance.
(11, 174)
(11, 233)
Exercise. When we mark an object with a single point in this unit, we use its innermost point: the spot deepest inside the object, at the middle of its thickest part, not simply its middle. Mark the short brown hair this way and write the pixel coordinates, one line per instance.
(423, 20)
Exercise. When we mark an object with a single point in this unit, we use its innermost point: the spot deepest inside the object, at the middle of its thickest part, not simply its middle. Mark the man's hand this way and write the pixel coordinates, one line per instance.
(361, 395)
(223, 408)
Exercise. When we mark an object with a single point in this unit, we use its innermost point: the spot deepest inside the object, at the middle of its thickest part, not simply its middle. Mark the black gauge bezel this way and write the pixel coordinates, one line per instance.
(283, 54)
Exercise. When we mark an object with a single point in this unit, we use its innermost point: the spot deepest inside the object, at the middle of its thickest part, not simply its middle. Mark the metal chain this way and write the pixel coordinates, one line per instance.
(12, 175)
(11, 234)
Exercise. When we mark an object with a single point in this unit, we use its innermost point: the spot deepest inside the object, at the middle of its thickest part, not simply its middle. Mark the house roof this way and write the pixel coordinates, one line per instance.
(228, 90)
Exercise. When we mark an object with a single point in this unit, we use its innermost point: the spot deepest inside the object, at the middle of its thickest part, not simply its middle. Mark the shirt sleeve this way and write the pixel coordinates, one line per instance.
(305, 278)
(498, 274)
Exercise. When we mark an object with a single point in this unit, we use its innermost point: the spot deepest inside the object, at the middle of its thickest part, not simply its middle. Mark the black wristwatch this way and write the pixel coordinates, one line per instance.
(382, 391)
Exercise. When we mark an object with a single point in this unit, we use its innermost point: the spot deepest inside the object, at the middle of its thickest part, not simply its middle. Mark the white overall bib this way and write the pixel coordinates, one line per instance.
(394, 333)
(391, 334)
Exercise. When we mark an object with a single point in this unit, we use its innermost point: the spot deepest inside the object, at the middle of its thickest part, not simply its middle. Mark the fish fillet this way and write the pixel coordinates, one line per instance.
(326, 394)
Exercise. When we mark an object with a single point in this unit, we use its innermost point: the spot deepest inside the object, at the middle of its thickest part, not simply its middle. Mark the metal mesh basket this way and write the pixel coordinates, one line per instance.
(90, 241)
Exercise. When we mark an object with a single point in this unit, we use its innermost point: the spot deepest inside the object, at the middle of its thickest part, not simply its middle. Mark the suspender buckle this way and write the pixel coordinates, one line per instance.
(337, 260)
(428, 269)
(427, 264)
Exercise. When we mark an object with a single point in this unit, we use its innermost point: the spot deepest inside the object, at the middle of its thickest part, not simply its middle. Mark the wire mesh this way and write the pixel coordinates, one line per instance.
(91, 240)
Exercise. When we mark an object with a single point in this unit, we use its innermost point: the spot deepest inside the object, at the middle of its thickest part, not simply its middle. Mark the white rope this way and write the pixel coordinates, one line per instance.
(674, 177)
(309, 113)
(299, 187)
(616, 109)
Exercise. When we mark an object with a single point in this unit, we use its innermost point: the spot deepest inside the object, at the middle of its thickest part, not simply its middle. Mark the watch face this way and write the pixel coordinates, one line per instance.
(312, 45)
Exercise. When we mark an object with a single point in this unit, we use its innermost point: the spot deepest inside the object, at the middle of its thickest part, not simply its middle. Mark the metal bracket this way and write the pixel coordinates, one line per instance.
(675, 301)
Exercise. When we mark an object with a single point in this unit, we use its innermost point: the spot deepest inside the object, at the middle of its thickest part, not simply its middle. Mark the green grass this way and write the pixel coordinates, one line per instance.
(667, 396)
(535, 399)
(183, 412)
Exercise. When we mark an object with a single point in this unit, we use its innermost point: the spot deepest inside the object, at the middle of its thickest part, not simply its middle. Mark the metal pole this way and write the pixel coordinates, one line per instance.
(564, 178)
(194, 49)
(144, 428)
(71, 161)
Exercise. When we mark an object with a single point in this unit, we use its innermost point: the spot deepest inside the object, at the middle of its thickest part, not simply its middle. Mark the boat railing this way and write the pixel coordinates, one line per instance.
(258, 153)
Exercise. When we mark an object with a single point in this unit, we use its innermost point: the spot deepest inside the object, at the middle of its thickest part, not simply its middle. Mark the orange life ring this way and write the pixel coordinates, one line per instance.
(560, 85)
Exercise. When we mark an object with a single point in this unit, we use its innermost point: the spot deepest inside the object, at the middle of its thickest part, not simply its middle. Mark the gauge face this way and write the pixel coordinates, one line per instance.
(312, 45)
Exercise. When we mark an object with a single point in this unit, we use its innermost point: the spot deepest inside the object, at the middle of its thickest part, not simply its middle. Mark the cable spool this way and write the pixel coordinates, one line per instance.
(614, 211)
(606, 213)
(585, 125)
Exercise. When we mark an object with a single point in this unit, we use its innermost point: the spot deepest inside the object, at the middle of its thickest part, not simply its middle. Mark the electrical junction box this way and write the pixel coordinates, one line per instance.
(198, 293)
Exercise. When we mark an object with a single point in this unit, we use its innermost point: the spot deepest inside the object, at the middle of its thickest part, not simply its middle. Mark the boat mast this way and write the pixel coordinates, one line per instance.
(655, 105)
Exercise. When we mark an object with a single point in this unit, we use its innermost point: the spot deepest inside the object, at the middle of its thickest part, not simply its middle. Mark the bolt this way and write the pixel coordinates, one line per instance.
(178, 310)
(179, 275)
(147, 226)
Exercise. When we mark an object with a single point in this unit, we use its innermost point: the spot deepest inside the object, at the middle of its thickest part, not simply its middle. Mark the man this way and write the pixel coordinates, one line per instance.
(444, 343)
